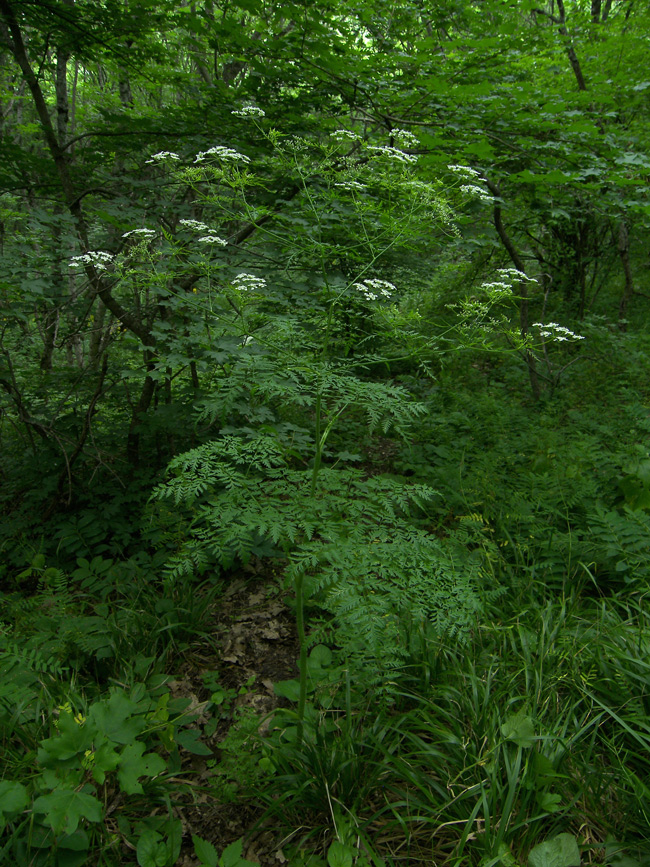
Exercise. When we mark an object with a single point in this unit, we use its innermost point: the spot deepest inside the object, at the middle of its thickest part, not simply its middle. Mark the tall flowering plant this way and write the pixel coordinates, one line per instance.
(280, 281)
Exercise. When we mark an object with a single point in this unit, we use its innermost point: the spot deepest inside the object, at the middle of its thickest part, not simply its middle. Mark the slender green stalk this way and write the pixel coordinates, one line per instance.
(319, 445)
(300, 628)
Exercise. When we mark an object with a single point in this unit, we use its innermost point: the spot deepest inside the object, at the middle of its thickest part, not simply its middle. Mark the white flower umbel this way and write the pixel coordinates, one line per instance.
(295, 143)
(213, 239)
(141, 233)
(351, 186)
(405, 137)
(464, 172)
(249, 111)
(162, 156)
(97, 258)
(222, 153)
(345, 135)
(393, 154)
(496, 284)
(476, 192)
(502, 288)
(372, 289)
(558, 333)
(497, 289)
(249, 283)
(197, 225)
(513, 274)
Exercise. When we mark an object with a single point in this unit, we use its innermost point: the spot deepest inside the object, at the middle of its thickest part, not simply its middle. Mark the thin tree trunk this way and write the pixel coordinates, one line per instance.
(50, 310)
(628, 289)
(570, 50)
(517, 261)
(97, 333)
(139, 410)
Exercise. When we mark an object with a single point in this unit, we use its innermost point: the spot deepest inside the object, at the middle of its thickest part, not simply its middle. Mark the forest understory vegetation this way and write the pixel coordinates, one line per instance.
(324, 434)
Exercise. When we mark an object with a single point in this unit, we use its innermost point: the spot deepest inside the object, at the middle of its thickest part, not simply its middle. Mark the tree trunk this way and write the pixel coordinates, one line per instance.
(628, 289)
(523, 288)
(139, 410)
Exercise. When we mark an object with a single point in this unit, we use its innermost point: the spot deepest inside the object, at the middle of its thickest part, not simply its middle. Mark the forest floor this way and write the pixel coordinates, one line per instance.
(253, 646)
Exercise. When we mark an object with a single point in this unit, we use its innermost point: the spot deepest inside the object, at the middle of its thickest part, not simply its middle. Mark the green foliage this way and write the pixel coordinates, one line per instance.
(88, 760)
(620, 543)
(312, 319)
(230, 857)
(561, 851)
(364, 559)
(344, 759)
(108, 617)
(240, 770)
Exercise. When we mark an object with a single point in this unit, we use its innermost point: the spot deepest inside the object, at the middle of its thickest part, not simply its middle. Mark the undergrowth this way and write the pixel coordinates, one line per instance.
(474, 684)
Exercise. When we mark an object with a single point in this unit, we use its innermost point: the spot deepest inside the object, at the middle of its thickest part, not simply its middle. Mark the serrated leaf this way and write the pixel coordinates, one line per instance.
(349, 456)
(70, 740)
(232, 856)
(105, 760)
(205, 852)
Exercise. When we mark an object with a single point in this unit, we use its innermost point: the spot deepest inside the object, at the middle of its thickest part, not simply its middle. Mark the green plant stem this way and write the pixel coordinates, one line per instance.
(319, 446)
(300, 628)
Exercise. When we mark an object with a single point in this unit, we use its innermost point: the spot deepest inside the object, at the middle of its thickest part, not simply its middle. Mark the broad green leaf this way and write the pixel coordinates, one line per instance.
(321, 656)
(615, 855)
(133, 765)
(70, 739)
(287, 689)
(205, 852)
(189, 739)
(549, 802)
(114, 718)
(77, 842)
(68, 858)
(151, 850)
(340, 855)
(105, 760)
(506, 857)
(13, 798)
(64, 808)
(349, 456)
(232, 856)
(561, 851)
(519, 728)
(481, 150)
